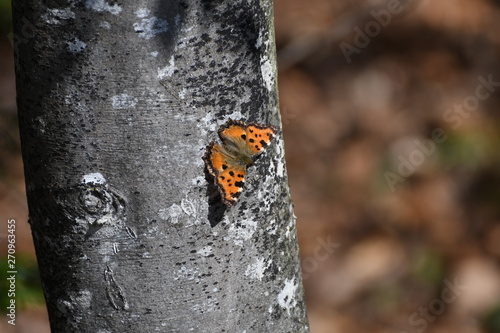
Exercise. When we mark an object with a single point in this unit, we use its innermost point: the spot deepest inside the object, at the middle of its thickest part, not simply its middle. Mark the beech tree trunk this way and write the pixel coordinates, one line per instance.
(127, 236)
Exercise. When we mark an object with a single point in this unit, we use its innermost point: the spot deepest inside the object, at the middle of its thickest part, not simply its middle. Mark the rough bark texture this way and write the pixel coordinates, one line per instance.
(127, 238)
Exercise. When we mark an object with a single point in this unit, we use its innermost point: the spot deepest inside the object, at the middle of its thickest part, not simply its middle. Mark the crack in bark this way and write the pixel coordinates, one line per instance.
(114, 291)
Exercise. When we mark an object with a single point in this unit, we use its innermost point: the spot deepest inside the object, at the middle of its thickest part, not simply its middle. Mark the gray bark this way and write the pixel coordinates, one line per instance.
(127, 237)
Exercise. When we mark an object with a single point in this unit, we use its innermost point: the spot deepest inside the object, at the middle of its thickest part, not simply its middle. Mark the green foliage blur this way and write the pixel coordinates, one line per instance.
(28, 285)
(491, 323)
(5, 16)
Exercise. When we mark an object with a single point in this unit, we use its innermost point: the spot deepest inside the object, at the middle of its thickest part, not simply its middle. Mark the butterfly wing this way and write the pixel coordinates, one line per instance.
(259, 137)
(233, 133)
(252, 138)
(229, 176)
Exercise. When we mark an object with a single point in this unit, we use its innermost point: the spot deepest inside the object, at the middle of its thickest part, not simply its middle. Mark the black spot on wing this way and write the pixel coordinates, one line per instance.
(234, 196)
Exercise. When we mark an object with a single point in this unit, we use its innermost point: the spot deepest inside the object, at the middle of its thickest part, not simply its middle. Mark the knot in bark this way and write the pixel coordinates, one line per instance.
(101, 205)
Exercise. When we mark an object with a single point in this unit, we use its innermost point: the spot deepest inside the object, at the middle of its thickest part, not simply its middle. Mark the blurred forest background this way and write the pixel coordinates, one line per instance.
(391, 120)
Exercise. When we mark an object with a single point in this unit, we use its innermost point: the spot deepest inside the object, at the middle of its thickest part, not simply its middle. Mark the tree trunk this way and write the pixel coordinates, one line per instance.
(127, 237)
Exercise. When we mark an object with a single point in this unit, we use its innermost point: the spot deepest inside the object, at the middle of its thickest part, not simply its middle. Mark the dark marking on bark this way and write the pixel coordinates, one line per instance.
(114, 291)
(131, 233)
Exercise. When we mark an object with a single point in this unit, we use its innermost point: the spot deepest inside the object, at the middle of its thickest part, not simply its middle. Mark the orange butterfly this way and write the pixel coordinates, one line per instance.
(228, 162)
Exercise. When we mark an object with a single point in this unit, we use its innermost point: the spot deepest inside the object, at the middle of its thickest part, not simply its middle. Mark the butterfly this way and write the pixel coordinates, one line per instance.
(227, 162)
